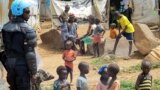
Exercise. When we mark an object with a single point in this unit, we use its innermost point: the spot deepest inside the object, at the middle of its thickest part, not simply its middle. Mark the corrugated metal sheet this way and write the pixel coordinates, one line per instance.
(3, 12)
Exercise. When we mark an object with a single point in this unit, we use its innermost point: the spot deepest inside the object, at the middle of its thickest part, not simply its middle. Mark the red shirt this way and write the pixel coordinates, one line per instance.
(70, 56)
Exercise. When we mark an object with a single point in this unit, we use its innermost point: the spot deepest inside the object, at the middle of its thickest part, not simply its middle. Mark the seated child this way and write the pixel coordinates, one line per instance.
(113, 31)
(97, 37)
(112, 72)
(69, 56)
(104, 79)
(82, 83)
(144, 80)
(61, 83)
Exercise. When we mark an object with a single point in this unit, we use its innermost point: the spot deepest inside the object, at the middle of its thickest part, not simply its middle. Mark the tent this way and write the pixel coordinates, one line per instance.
(34, 18)
(81, 8)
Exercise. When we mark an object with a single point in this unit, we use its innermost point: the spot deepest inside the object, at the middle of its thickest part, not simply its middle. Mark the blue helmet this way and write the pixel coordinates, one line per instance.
(18, 6)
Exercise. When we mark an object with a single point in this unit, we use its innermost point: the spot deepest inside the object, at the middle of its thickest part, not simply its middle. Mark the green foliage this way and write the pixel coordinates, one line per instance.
(137, 68)
(156, 84)
(156, 65)
(98, 62)
(132, 69)
(127, 85)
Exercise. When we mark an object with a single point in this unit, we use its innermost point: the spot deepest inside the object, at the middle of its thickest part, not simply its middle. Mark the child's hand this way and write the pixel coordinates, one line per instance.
(70, 59)
(119, 35)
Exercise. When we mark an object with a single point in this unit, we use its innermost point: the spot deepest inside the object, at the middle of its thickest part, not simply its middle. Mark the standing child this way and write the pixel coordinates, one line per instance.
(82, 83)
(127, 31)
(97, 37)
(103, 83)
(64, 15)
(64, 31)
(63, 18)
(69, 56)
(113, 31)
(72, 28)
(112, 72)
(61, 83)
(144, 80)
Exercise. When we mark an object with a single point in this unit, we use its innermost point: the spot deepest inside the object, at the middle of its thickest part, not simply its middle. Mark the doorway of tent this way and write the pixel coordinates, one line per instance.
(114, 5)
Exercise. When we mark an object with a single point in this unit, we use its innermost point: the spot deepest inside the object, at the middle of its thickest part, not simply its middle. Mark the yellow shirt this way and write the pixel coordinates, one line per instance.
(123, 21)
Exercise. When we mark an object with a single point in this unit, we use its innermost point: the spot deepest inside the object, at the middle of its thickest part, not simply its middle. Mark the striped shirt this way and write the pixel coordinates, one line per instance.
(146, 83)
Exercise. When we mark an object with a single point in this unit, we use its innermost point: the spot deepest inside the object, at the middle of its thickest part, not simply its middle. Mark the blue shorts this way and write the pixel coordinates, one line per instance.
(129, 36)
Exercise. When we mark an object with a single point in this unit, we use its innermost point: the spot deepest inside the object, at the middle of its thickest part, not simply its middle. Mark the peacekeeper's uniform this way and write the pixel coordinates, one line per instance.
(19, 42)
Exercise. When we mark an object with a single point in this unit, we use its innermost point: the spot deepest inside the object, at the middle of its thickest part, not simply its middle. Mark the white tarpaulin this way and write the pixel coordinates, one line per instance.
(81, 8)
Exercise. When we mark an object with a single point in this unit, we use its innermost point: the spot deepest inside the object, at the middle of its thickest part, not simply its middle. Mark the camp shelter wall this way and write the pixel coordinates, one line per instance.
(145, 12)
(34, 18)
(34, 14)
(45, 9)
(81, 8)
(3, 12)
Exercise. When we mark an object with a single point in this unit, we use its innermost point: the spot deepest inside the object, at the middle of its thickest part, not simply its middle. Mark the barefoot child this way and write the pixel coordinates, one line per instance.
(69, 56)
(103, 83)
(82, 83)
(144, 80)
(112, 72)
(61, 83)
(127, 31)
(97, 37)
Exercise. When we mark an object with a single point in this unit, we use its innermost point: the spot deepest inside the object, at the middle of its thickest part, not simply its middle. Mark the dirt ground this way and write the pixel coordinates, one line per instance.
(52, 59)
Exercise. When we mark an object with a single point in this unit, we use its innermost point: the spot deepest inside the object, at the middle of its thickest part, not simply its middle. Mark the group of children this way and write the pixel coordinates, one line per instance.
(108, 77)
(68, 29)
(68, 26)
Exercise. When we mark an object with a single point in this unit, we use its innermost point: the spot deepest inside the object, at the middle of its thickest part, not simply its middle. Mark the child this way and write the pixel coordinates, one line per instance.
(72, 28)
(69, 56)
(113, 31)
(92, 26)
(82, 83)
(63, 18)
(64, 30)
(127, 32)
(103, 84)
(144, 80)
(64, 15)
(97, 37)
(112, 72)
(61, 83)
